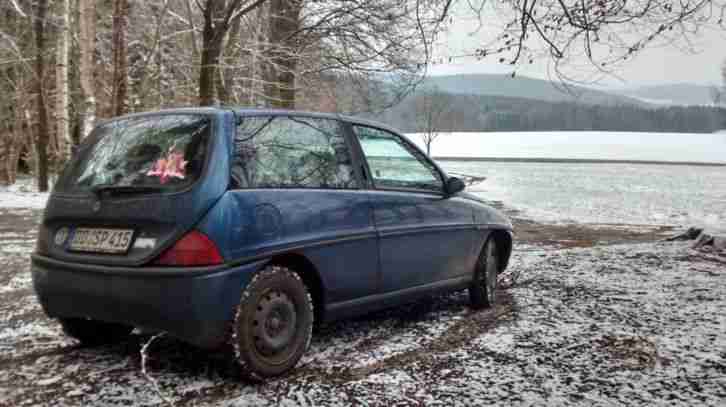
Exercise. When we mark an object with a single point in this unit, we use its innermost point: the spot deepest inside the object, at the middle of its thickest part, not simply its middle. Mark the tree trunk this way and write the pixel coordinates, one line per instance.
(42, 135)
(210, 62)
(120, 79)
(20, 134)
(212, 39)
(61, 106)
(224, 80)
(12, 75)
(218, 15)
(284, 21)
(87, 40)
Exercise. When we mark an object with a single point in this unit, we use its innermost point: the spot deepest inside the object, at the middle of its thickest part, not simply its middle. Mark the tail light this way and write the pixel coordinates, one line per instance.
(194, 249)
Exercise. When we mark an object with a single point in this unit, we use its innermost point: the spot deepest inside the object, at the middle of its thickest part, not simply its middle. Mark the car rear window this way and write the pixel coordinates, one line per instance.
(165, 152)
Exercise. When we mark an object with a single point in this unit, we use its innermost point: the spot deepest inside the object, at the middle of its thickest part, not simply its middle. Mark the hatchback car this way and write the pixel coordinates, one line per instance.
(246, 226)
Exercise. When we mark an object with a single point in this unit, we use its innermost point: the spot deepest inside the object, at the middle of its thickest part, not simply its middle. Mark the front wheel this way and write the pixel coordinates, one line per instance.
(483, 288)
(273, 324)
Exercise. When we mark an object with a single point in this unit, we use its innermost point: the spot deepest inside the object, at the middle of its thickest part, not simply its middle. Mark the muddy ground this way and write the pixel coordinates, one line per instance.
(601, 315)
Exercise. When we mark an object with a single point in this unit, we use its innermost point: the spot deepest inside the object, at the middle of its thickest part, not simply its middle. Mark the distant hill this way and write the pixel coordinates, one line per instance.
(680, 94)
(476, 113)
(528, 88)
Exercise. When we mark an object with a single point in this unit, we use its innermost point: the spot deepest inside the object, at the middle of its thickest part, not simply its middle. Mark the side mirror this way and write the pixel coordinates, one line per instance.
(454, 185)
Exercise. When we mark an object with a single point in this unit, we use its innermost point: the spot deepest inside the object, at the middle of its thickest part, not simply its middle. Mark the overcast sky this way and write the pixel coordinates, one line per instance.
(652, 66)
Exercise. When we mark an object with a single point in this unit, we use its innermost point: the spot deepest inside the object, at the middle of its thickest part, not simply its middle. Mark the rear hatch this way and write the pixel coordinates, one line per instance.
(135, 186)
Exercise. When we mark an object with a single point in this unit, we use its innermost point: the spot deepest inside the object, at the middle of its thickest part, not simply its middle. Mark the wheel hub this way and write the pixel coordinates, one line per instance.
(274, 323)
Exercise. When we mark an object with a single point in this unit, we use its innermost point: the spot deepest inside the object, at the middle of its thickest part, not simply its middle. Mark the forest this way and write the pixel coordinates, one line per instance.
(498, 113)
(66, 65)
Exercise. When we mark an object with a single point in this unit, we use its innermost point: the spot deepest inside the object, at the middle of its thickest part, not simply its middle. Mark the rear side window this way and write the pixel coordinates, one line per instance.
(291, 152)
(165, 152)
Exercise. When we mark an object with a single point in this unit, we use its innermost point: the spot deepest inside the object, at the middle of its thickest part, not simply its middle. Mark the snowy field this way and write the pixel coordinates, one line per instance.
(611, 325)
(582, 145)
(635, 194)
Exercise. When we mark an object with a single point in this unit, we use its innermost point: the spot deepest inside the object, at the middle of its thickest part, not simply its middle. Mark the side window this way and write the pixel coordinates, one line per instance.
(394, 163)
(291, 152)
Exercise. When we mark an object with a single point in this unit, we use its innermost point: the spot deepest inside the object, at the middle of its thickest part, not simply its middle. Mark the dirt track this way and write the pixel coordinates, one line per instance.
(633, 324)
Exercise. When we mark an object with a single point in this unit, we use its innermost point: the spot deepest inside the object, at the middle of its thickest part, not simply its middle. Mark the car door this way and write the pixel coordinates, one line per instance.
(425, 237)
(296, 191)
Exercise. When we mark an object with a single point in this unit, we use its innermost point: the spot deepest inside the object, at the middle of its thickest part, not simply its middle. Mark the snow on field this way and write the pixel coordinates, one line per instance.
(582, 145)
(611, 325)
(633, 194)
(22, 195)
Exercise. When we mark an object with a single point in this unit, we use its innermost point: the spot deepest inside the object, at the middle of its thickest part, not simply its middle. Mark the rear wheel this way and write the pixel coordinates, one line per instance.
(92, 333)
(483, 289)
(273, 324)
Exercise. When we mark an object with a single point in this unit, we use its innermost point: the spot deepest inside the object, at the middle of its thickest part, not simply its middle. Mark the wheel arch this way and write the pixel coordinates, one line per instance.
(503, 239)
(310, 277)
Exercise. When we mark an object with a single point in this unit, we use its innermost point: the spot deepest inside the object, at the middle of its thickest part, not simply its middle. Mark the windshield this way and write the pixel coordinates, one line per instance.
(166, 152)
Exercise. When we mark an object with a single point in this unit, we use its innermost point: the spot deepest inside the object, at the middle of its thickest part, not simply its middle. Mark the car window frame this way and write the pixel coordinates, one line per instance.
(371, 184)
(344, 131)
(216, 119)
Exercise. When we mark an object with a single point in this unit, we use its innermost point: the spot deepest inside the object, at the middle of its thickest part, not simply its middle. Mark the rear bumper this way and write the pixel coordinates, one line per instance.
(194, 305)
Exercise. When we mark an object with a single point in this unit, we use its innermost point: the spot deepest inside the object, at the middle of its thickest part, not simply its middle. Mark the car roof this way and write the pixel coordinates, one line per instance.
(288, 112)
(242, 111)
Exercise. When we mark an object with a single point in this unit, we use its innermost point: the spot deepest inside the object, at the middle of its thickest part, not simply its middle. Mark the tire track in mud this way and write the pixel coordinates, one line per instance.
(31, 358)
(473, 324)
(383, 327)
(371, 332)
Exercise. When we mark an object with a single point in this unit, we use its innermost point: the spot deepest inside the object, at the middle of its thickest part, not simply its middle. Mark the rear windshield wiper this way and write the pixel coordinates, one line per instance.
(98, 190)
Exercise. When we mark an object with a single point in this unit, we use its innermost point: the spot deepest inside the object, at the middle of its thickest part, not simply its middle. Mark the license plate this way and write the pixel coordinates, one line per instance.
(101, 240)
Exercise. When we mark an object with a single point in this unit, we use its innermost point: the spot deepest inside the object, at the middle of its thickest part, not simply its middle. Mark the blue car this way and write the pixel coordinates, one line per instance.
(245, 227)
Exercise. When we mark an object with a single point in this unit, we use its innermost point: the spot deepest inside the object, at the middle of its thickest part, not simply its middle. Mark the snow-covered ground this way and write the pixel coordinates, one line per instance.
(22, 195)
(581, 145)
(634, 194)
(610, 325)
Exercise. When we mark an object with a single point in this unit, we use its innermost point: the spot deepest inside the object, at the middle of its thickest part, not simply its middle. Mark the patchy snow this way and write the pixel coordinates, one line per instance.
(22, 195)
(634, 324)
(612, 325)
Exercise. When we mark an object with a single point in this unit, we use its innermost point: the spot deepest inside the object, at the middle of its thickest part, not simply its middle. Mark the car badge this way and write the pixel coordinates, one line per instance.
(60, 236)
(96, 206)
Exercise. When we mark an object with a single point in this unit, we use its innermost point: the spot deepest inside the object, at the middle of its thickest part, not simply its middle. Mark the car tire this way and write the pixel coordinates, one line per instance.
(483, 288)
(273, 324)
(92, 333)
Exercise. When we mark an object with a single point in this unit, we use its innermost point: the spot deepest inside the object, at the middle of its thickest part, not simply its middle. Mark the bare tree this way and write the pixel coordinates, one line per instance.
(432, 111)
(42, 133)
(87, 45)
(63, 134)
(603, 33)
(119, 102)
(284, 24)
(218, 16)
(722, 93)
(349, 55)
(716, 94)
